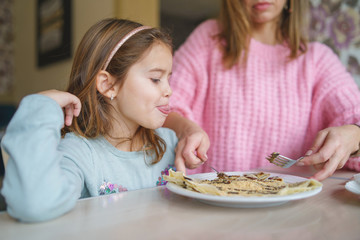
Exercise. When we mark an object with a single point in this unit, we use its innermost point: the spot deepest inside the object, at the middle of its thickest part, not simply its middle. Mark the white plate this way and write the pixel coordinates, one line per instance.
(240, 201)
(353, 187)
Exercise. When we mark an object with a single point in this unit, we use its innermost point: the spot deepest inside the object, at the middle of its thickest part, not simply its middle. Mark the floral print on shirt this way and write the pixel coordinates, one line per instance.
(161, 180)
(109, 188)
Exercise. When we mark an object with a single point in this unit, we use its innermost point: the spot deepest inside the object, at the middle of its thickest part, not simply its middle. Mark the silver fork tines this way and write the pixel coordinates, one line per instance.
(214, 169)
(281, 161)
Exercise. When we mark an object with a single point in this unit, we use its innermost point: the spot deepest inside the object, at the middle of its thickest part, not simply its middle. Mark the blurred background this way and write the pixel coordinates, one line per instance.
(38, 37)
(29, 29)
(25, 37)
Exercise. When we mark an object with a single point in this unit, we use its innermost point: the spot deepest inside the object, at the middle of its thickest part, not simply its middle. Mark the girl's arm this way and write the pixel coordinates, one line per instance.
(70, 103)
(193, 142)
(35, 187)
(190, 84)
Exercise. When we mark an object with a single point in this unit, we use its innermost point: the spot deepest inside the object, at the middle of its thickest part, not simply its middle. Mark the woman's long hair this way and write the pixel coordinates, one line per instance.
(235, 24)
(95, 47)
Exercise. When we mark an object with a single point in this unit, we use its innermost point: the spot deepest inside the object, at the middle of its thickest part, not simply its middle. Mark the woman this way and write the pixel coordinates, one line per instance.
(256, 86)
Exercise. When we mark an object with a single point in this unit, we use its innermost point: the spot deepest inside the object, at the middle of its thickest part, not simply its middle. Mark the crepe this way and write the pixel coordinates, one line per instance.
(251, 184)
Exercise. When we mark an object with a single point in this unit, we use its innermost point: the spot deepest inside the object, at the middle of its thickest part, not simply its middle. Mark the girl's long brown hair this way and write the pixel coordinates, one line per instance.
(95, 47)
(235, 24)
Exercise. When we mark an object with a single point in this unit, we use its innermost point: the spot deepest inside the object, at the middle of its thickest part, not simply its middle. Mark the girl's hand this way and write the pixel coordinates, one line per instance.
(331, 149)
(193, 142)
(69, 102)
(191, 149)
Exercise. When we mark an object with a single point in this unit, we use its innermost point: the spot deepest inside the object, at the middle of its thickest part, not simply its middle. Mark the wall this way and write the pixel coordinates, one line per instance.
(28, 78)
(181, 17)
(146, 12)
(337, 24)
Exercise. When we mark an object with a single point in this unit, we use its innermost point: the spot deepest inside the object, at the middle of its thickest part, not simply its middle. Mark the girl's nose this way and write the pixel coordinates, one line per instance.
(168, 90)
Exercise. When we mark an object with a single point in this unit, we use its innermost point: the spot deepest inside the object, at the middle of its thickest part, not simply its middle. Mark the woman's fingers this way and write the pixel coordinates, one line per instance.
(331, 149)
(320, 151)
(335, 150)
(325, 162)
(343, 162)
(329, 168)
(323, 155)
(325, 146)
(319, 140)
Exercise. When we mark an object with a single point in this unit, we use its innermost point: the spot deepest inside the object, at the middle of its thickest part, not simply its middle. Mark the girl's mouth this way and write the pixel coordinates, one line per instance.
(165, 109)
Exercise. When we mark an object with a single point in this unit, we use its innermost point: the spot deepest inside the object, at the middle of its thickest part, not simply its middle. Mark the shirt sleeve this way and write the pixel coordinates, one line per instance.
(189, 80)
(36, 187)
(336, 97)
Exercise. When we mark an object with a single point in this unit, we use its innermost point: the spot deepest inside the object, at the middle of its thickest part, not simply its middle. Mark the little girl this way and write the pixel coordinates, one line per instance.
(118, 93)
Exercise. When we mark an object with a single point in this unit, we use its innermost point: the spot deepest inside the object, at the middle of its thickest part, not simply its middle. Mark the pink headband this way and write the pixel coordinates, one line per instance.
(122, 41)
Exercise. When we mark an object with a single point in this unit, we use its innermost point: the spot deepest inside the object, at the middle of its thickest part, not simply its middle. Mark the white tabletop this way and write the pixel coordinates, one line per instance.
(157, 213)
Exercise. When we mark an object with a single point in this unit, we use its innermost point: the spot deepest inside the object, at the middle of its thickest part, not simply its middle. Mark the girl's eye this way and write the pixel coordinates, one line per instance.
(155, 80)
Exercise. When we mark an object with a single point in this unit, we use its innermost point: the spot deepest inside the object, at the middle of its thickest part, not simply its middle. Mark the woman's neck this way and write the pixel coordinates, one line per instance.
(266, 33)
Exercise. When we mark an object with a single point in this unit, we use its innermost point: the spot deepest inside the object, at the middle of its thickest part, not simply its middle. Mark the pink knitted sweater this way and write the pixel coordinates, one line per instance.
(270, 106)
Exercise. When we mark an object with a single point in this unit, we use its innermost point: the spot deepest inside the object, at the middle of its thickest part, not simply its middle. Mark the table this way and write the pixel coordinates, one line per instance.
(157, 213)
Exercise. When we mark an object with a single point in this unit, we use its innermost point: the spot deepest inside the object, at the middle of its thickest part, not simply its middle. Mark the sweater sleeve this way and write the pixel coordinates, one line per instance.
(189, 80)
(336, 97)
(36, 187)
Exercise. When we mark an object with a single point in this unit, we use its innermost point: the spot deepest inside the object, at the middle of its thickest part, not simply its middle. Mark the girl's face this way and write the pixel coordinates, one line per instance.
(143, 99)
(264, 11)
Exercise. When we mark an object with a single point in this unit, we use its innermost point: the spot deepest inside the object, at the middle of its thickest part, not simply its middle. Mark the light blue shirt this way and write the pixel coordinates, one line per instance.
(46, 175)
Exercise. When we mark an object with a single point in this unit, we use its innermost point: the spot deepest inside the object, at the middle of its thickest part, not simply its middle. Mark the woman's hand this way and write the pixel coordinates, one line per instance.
(69, 102)
(331, 149)
(193, 142)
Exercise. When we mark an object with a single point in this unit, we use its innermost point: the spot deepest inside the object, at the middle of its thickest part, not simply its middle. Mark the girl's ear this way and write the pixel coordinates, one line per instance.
(105, 84)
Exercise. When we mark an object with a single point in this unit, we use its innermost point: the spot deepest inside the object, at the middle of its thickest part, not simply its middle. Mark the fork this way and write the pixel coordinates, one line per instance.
(282, 161)
(214, 169)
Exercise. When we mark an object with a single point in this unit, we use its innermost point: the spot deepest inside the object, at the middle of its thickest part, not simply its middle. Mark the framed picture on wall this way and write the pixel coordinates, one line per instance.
(53, 40)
